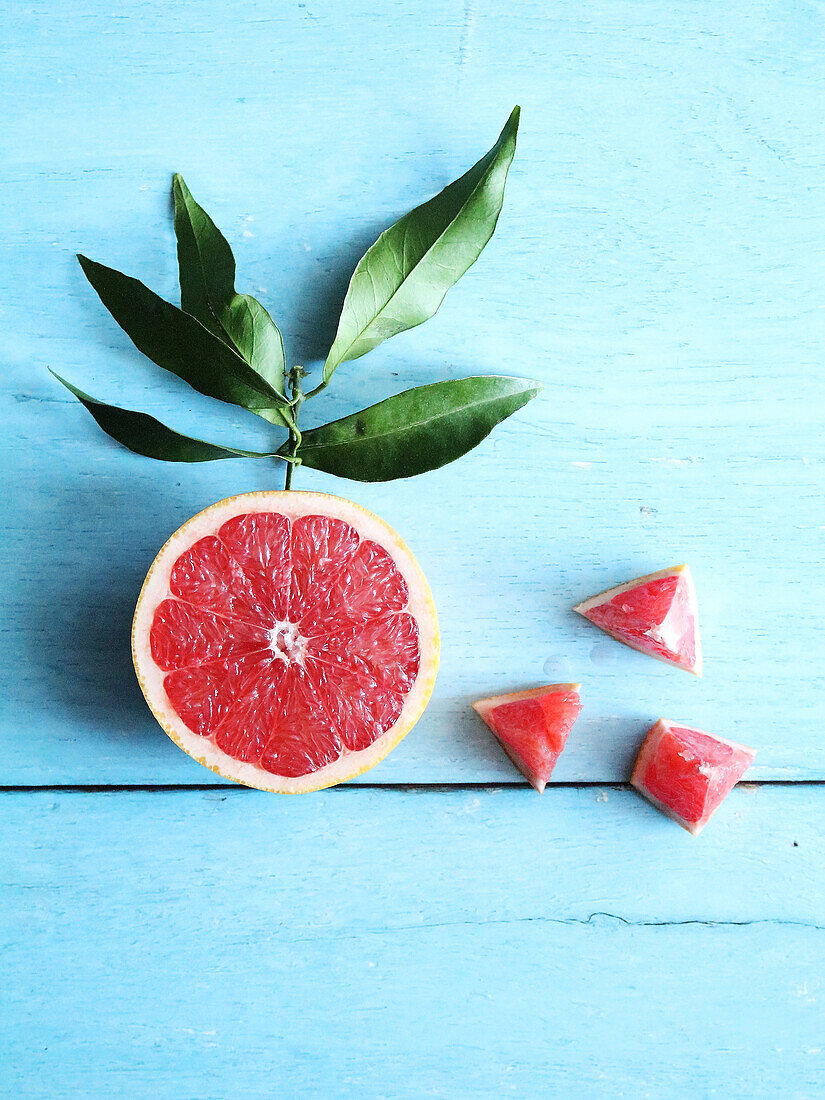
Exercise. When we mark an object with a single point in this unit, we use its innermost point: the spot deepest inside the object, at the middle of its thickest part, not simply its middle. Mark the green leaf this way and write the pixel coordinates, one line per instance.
(418, 430)
(144, 435)
(207, 290)
(205, 261)
(257, 338)
(178, 342)
(402, 279)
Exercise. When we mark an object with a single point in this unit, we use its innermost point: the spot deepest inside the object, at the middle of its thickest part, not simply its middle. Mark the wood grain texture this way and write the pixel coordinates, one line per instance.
(657, 265)
(365, 944)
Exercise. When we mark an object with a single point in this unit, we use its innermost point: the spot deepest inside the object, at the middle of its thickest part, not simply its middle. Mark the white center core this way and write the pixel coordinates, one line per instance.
(286, 643)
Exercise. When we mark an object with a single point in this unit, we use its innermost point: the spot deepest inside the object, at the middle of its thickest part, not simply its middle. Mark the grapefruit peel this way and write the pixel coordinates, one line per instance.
(293, 505)
(656, 614)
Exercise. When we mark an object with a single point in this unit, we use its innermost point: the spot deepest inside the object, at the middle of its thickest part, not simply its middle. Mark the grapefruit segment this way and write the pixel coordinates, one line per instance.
(388, 644)
(656, 614)
(687, 773)
(286, 640)
(208, 576)
(202, 695)
(260, 543)
(359, 707)
(533, 726)
(183, 635)
(321, 546)
(366, 586)
(299, 738)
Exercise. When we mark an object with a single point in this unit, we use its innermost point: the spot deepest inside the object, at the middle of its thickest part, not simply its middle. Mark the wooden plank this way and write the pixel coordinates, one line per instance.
(655, 266)
(378, 945)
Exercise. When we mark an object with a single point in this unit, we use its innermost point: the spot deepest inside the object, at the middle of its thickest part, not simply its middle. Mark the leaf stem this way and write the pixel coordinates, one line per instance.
(318, 388)
(288, 476)
(298, 398)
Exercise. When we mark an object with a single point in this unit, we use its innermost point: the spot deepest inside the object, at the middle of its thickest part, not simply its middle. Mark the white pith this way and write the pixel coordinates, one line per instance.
(483, 707)
(291, 504)
(665, 633)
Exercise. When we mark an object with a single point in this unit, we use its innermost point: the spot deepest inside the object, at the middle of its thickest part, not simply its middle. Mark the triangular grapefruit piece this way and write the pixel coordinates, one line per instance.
(532, 726)
(656, 614)
(687, 773)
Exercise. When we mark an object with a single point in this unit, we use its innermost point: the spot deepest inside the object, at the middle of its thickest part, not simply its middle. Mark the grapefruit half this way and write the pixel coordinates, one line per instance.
(656, 614)
(533, 726)
(286, 640)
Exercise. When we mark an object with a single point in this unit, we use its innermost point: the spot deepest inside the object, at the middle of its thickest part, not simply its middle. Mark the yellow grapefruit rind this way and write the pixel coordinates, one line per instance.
(610, 593)
(293, 504)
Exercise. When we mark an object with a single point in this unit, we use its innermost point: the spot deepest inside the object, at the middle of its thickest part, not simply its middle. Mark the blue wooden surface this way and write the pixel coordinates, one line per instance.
(452, 944)
(658, 265)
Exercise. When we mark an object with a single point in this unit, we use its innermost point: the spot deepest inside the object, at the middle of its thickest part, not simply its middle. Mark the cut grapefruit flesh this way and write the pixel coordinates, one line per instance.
(656, 614)
(687, 773)
(286, 640)
(533, 726)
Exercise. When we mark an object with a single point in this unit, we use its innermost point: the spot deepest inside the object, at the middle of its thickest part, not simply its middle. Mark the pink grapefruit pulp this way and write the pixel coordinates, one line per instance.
(656, 614)
(286, 640)
(533, 726)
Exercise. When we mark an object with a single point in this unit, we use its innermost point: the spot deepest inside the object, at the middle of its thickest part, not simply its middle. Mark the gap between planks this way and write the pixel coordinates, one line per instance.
(100, 788)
